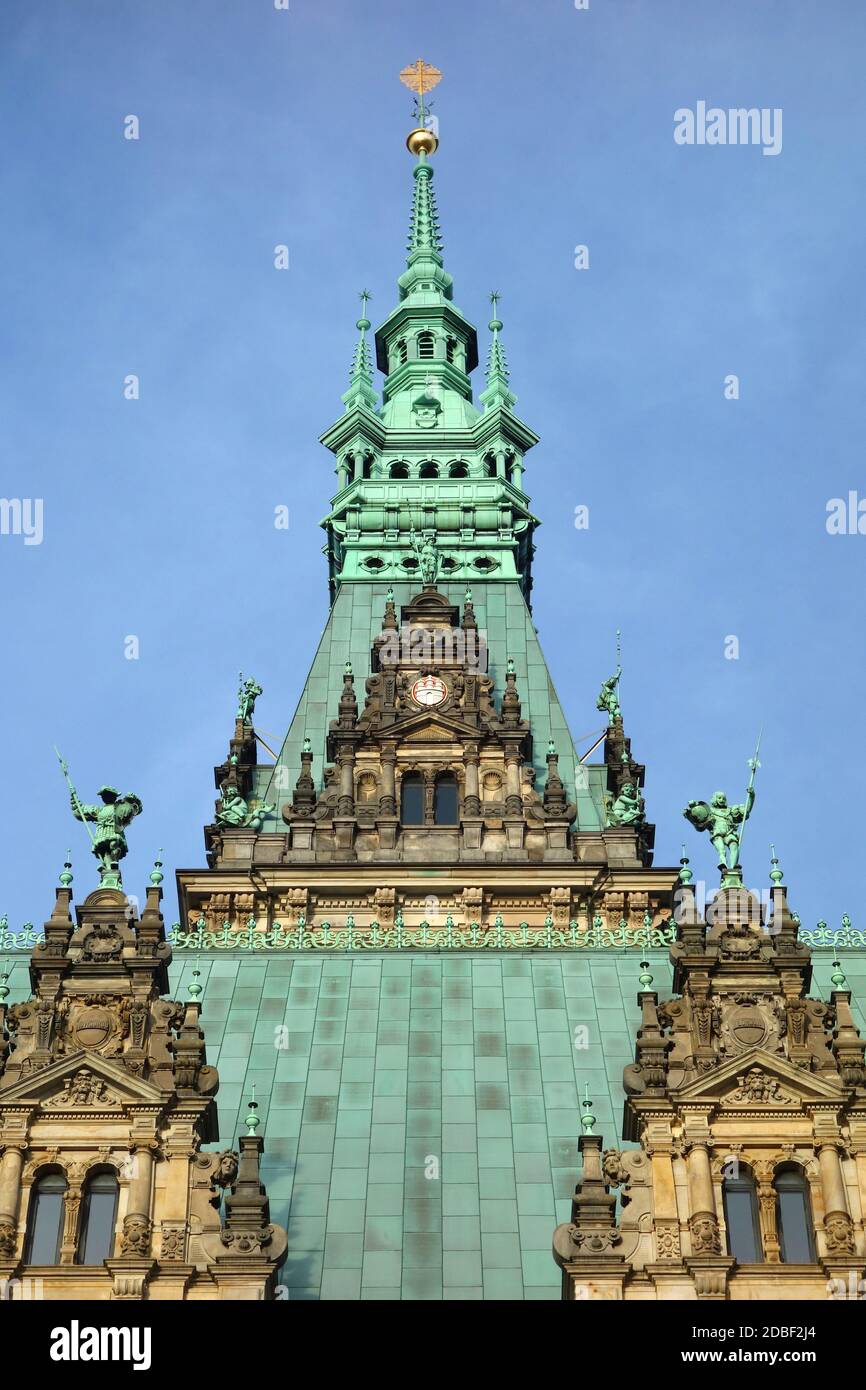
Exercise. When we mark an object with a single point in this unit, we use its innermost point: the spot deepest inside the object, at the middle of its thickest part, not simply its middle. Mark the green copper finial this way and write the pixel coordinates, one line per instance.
(4, 986)
(838, 976)
(685, 874)
(156, 874)
(252, 1120)
(496, 392)
(776, 874)
(194, 988)
(509, 666)
(587, 1119)
(308, 744)
(646, 979)
(348, 668)
(467, 597)
(551, 748)
(361, 392)
(66, 875)
(389, 597)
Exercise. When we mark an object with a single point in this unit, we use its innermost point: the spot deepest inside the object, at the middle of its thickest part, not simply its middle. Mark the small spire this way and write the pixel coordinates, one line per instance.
(587, 1119)
(308, 745)
(838, 976)
(156, 874)
(252, 1120)
(66, 875)
(776, 874)
(551, 748)
(646, 979)
(4, 986)
(685, 874)
(361, 392)
(496, 376)
(194, 988)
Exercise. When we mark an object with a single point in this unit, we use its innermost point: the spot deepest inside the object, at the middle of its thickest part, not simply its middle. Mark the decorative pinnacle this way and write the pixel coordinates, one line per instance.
(66, 875)
(587, 1119)
(496, 376)
(252, 1120)
(776, 874)
(685, 874)
(348, 668)
(838, 976)
(4, 987)
(361, 390)
(156, 874)
(194, 988)
(551, 748)
(308, 744)
(645, 977)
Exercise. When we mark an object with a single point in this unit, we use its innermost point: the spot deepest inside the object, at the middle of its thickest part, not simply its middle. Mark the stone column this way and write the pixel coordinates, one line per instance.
(388, 790)
(838, 1230)
(471, 799)
(11, 1166)
(513, 799)
(346, 802)
(136, 1224)
(703, 1223)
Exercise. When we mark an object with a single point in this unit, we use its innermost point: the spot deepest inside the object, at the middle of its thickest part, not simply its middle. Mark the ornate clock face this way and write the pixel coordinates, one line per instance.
(429, 690)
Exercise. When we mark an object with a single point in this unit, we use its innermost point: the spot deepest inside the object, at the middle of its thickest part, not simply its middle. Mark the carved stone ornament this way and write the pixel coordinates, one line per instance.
(136, 1236)
(102, 943)
(757, 1088)
(668, 1240)
(839, 1235)
(595, 1242)
(705, 1235)
(80, 1091)
(173, 1240)
(8, 1240)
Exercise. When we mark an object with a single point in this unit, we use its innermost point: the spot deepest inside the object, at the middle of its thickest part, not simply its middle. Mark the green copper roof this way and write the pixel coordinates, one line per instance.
(367, 1067)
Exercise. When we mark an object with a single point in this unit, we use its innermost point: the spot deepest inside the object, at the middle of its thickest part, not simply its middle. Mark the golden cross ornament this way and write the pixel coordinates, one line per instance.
(420, 77)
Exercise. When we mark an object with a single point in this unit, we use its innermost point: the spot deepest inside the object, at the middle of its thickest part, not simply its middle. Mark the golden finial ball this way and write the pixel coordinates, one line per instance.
(421, 141)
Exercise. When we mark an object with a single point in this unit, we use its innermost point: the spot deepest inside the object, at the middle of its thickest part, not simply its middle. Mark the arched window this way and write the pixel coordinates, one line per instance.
(490, 465)
(402, 351)
(741, 1218)
(794, 1217)
(350, 468)
(428, 470)
(426, 347)
(98, 1215)
(450, 347)
(45, 1221)
(367, 466)
(458, 469)
(399, 470)
(445, 800)
(412, 799)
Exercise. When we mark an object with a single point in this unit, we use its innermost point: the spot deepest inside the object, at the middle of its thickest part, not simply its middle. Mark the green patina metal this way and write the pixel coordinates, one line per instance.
(428, 459)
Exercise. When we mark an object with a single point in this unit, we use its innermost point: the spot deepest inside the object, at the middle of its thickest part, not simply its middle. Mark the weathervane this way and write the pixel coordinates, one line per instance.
(421, 77)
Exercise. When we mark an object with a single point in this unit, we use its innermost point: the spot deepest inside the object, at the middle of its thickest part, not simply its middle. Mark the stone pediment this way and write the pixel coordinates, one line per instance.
(84, 1081)
(761, 1079)
(438, 728)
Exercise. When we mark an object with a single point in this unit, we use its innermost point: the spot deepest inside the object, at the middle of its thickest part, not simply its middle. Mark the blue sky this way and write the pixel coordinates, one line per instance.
(155, 257)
